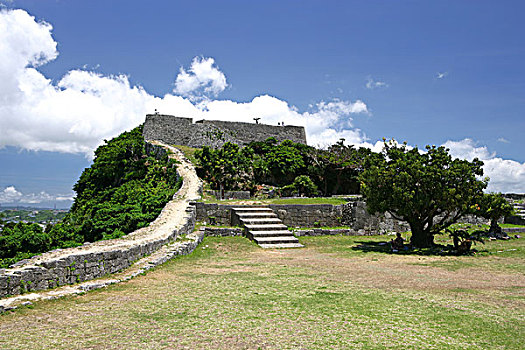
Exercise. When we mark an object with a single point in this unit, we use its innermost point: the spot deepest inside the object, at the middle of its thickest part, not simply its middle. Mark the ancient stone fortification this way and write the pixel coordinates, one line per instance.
(93, 260)
(182, 131)
(352, 215)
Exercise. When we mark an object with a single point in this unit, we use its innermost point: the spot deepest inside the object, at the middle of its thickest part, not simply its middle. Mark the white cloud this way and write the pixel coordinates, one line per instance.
(84, 107)
(503, 140)
(10, 195)
(375, 84)
(203, 78)
(505, 175)
(468, 149)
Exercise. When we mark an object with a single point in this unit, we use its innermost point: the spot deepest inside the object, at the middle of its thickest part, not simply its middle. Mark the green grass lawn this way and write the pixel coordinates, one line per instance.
(333, 294)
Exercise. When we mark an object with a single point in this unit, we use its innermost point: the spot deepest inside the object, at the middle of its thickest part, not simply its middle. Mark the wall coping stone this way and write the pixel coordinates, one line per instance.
(92, 260)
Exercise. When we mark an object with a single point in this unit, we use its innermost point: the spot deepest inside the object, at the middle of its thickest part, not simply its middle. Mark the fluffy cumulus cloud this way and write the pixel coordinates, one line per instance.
(80, 110)
(10, 195)
(73, 115)
(203, 78)
(505, 175)
(84, 107)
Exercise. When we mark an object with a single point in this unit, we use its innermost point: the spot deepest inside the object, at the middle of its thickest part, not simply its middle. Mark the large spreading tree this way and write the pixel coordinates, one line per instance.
(429, 190)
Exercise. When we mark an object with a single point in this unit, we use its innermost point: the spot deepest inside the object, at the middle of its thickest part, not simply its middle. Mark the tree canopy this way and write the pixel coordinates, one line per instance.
(124, 189)
(430, 190)
(333, 171)
(493, 207)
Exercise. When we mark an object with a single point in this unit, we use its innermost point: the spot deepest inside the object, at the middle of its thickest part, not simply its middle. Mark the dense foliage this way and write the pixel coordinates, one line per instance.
(494, 207)
(293, 166)
(123, 190)
(429, 190)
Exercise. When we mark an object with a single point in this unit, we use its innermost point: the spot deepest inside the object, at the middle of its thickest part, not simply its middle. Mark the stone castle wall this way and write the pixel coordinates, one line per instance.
(182, 131)
(352, 215)
(93, 260)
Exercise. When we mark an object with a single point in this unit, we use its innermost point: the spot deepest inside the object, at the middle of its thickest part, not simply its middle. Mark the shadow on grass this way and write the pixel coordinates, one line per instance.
(385, 248)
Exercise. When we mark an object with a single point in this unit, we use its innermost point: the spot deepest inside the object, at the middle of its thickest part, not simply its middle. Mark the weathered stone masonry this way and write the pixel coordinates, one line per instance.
(93, 260)
(182, 131)
(352, 214)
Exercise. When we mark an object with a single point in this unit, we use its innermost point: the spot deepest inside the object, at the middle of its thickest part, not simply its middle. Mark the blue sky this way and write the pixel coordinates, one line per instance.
(425, 72)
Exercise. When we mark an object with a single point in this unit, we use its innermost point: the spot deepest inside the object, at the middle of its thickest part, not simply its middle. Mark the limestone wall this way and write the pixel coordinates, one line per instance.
(229, 194)
(352, 215)
(181, 131)
(92, 260)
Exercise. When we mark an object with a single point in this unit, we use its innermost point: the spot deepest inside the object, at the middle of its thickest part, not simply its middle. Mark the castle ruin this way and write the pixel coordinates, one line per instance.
(214, 133)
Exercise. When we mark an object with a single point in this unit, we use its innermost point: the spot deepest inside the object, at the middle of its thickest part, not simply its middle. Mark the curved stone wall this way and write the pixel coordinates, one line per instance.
(93, 260)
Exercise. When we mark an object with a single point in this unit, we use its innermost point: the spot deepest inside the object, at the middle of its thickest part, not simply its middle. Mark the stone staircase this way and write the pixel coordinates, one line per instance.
(264, 227)
(519, 213)
(519, 209)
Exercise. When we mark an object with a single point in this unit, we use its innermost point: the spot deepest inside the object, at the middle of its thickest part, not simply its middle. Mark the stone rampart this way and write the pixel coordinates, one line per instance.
(352, 215)
(93, 260)
(229, 194)
(214, 133)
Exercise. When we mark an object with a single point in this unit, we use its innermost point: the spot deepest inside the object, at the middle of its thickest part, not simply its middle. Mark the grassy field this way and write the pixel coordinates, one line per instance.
(337, 293)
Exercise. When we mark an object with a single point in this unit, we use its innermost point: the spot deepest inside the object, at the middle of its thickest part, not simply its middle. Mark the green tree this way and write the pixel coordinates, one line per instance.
(304, 186)
(337, 168)
(429, 190)
(23, 238)
(228, 167)
(493, 207)
(123, 190)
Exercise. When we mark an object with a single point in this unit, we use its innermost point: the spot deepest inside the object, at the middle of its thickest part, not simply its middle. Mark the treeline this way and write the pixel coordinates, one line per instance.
(294, 167)
(32, 215)
(123, 190)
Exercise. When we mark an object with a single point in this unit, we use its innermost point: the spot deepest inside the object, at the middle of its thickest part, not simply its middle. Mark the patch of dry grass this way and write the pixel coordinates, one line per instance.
(230, 294)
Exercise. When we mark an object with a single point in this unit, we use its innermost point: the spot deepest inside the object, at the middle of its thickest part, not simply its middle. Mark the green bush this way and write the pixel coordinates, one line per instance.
(123, 190)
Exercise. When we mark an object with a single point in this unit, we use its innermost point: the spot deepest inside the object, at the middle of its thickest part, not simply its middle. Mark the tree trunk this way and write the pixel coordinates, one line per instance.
(421, 238)
(494, 227)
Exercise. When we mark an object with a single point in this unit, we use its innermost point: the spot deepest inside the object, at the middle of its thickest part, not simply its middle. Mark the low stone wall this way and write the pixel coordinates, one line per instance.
(328, 232)
(93, 260)
(352, 214)
(80, 266)
(222, 231)
(514, 220)
(230, 194)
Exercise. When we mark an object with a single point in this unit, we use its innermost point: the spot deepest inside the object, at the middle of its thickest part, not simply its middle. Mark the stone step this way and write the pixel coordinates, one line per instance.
(513, 229)
(269, 227)
(281, 245)
(255, 215)
(265, 228)
(254, 209)
(276, 240)
(264, 221)
(270, 233)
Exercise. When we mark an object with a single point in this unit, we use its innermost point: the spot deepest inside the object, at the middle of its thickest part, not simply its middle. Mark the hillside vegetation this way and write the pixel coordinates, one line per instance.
(123, 190)
(293, 167)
